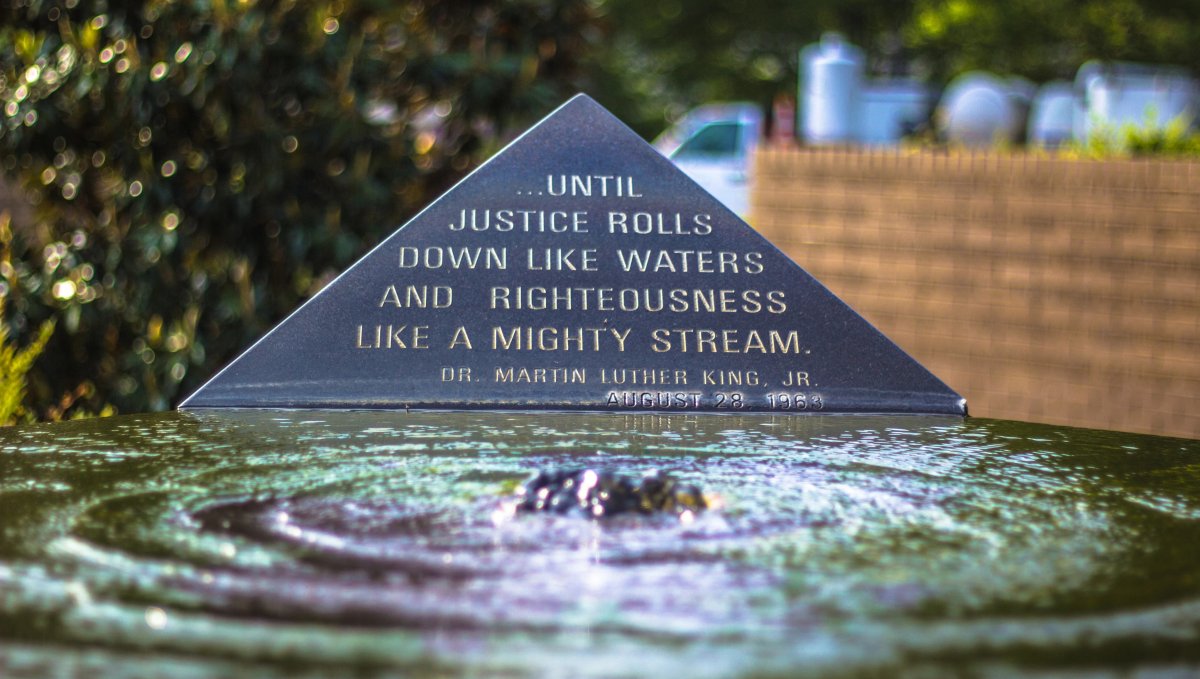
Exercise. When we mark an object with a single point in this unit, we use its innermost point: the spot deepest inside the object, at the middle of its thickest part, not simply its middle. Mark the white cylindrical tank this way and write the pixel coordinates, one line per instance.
(978, 109)
(833, 74)
(1051, 116)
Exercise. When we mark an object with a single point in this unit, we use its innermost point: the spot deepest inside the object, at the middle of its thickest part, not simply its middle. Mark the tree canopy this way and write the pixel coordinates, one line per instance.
(200, 168)
(664, 57)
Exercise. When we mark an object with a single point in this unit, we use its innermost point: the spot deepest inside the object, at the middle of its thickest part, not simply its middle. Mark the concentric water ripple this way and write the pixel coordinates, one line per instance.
(313, 544)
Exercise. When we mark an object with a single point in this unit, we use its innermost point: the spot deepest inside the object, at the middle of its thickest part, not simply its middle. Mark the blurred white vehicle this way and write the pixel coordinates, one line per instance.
(713, 145)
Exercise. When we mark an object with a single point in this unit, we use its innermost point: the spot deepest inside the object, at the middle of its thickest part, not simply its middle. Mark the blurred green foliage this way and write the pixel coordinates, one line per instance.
(15, 363)
(1046, 39)
(1177, 138)
(665, 57)
(199, 168)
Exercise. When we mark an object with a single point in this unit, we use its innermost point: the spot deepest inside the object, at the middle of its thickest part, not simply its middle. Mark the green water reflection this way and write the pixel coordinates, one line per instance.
(375, 544)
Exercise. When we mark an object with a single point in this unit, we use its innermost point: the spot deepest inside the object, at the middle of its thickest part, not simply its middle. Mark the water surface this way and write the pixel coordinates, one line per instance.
(378, 544)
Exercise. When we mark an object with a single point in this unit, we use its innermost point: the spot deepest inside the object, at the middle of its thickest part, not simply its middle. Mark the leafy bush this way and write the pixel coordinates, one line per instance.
(1176, 138)
(14, 367)
(198, 169)
(15, 364)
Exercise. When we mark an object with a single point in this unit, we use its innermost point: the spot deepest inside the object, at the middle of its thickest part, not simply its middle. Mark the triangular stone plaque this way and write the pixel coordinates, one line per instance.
(577, 269)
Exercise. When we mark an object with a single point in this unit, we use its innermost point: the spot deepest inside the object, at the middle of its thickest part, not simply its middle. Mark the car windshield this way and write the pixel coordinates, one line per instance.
(714, 139)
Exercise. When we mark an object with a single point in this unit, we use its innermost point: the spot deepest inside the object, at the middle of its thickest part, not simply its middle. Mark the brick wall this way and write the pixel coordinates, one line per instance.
(1042, 289)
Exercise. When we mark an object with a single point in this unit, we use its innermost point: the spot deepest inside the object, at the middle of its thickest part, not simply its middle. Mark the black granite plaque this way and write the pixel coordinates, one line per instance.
(577, 269)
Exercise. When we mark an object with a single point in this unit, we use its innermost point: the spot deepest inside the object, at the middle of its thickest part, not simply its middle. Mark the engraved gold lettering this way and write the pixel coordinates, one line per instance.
(581, 186)
(754, 263)
(617, 220)
(526, 221)
(754, 343)
(418, 296)
(728, 302)
(395, 337)
(730, 378)
(653, 400)
(559, 259)
(527, 338)
(452, 374)
(506, 342)
(446, 257)
(690, 261)
(572, 338)
(367, 345)
(621, 337)
(630, 191)
(588, 185)
(659, 223)
(677, 300)
(642, 376)
(499, 296)
(461, 338)
(726, 341)
(775, 303)
(551, 375)
(661, 340)
(750, 304)
(796, 378)
(784, 344)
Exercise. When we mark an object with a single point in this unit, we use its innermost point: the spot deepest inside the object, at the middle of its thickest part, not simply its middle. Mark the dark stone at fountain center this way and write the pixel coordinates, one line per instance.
(578, 269)
(597, 494)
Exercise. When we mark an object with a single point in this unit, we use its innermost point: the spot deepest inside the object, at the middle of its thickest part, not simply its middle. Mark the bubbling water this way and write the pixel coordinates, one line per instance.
(259, 543)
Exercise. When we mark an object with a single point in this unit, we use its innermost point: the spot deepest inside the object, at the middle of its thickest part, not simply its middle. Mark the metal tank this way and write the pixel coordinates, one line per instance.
(831, 83)
(979, 109)
(1052, 114)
